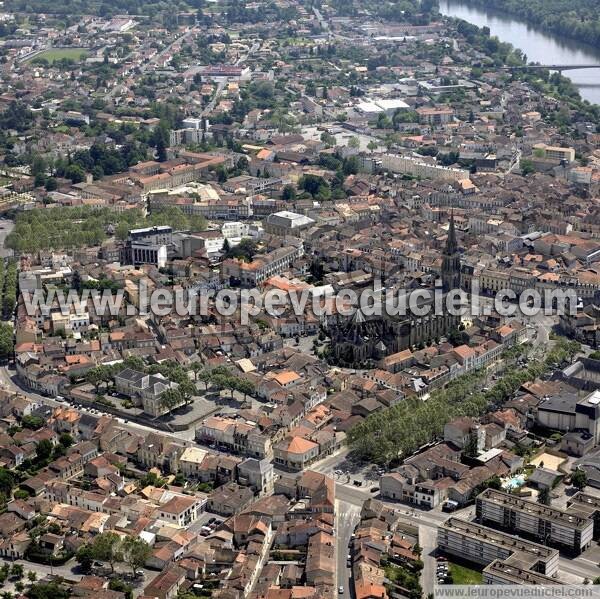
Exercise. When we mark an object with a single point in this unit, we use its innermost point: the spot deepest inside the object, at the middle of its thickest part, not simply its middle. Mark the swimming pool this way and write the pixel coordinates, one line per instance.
(514, 482)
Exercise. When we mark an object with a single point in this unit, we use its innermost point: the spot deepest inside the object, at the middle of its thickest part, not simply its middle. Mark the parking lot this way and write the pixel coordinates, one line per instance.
(353, 473)
(442, 570)
(203, 405)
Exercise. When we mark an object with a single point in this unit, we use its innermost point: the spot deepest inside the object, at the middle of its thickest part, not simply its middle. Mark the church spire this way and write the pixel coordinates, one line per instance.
(451, 243)
(451, 262)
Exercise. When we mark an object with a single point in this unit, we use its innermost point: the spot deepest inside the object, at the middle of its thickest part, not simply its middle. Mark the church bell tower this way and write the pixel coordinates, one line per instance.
(451, 261)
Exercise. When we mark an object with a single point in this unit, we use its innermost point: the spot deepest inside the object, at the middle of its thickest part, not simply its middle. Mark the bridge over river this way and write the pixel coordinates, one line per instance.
(553, 67)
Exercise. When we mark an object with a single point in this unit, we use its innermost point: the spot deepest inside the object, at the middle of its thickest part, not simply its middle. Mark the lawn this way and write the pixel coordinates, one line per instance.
(403, 577)
(464, 575)
(53, 54)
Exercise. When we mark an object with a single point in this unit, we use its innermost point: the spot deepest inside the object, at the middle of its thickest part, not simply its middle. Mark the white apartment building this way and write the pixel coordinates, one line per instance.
(550, 525)
(482, 545)
(418, 168)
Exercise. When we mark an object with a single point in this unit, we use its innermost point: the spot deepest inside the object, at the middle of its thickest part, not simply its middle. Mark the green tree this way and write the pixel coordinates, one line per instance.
(289, 193)
(196, 368)
(106, 547)
(161, 140)
(579, 479)
(44, 449)
(351, 166)
(151, 479)
(85, 557)
(134, 362)
(527, 167)
(470, 448)
(95, 377)
(51, 184)
(116, 584)
(66, 440)
(245, 387)
(136, 551)
(328, 139)
(544, 496)
(205, 377)
(7, 482)
(170, 399)
(51, 590)
(313, 184)
(219, 381)
(32, 422)
(7, 345)
(75, 173)
(187, 390)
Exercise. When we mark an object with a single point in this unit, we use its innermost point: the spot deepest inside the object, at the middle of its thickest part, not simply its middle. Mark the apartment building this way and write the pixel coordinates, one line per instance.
(191, 460)
(499, 572)
(412, 166)
(482, 545)
(223, 73)
(588, 505)
(295, 453)
(238, 435)
(162, 235)
(435, 116)
(568, 530)
(252, 274)
(555, 153)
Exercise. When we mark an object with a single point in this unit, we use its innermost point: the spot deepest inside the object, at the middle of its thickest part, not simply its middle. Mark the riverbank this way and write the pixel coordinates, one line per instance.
(536, 47)
(572, 19)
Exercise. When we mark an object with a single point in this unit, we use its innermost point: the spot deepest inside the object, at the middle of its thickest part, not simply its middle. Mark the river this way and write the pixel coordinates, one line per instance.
(539, 46)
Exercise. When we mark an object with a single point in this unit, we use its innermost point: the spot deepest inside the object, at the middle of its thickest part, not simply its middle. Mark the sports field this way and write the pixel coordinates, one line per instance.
(53, 54)
(547, 460)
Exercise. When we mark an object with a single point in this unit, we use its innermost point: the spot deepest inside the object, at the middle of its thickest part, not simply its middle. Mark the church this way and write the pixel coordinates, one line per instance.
(361, 340)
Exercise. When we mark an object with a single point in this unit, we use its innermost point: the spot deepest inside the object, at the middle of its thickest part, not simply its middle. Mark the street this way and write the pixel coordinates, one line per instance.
(70, 571)
(7, 381)
(349, 497)
(221, 85)
(427, 521)
(428, 543)
(347, 516)
(583, 566)
(66, 571)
